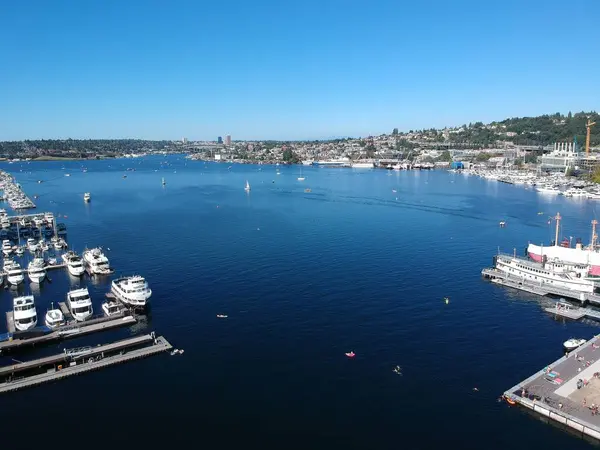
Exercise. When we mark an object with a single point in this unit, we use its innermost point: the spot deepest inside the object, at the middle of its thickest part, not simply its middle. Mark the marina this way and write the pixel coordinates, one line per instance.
(79, 360)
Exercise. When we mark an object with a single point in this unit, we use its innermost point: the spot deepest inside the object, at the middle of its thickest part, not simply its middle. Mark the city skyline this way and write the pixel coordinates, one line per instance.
(287, 72)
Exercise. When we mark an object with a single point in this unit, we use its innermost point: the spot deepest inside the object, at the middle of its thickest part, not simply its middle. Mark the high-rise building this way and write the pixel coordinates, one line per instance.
(219, 140)
(184, 140)
(228, 139)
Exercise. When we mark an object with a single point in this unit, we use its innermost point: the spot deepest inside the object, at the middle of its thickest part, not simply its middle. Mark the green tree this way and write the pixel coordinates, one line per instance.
(482, 156)
(290, 157)
(395, 132)
(445, 156)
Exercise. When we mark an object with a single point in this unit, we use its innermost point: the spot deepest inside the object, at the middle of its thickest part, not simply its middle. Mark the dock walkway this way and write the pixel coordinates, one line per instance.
(504, 279)
(93, 360)
(553, 393)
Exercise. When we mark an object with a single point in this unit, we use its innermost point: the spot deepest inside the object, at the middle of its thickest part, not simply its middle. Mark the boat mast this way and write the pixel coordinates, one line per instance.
(594, 236)
(557, 218)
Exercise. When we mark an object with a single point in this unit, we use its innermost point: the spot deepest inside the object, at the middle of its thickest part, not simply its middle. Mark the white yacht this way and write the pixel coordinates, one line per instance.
(5, 222)
(553, 272)
(32, 245)
(24, 313)
(80, 304)
(363, 165)
(547, 189)
(133, 291)
(96, 262)
(111, 308)
(43, 245)
(74, 263)
(6, 247)
(14, 273)
(571, 344)
(36, 270)
(54, 317)
(87, 197)
(19, 251)
(49, 218)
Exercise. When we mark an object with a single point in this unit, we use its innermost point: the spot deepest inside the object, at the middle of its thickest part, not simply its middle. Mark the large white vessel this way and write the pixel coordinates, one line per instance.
(588, 255)
(74, 263)
(24, 313)
(14, 273)
(132, 291)
(36, 270)
(80, 304)
(363, 165)
(96, 262)
(555, 273)
(6, 247)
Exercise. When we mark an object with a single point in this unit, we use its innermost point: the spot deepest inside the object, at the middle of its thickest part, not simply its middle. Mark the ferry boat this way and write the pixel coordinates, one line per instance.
(14, 273)
(87, 197)
(96, 262)
(555, 273)
(80, 304)
(6, 247)
(24, 313)
(54, 317)
(579, 254)
(36, 270)
(133, 291)
(74, 263)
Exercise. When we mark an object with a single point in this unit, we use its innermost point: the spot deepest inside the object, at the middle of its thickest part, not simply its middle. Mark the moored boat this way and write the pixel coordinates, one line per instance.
(24, 313)
(133, 291)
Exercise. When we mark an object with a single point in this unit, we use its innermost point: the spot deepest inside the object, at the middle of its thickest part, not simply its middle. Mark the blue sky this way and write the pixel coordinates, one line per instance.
(288, 70)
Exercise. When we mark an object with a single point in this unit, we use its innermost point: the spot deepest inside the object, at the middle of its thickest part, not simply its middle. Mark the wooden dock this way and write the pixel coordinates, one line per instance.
(65, 310)
(10, 322)
(69, 331)
(77, 361)
(555, 392)
(543, 289)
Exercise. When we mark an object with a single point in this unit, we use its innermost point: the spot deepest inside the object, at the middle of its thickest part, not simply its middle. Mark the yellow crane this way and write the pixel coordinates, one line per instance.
(588, 127)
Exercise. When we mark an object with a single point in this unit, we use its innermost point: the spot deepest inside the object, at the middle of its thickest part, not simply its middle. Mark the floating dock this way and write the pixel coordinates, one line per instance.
(80, 360)
(71, 330)
(566, 391)
(544, 289)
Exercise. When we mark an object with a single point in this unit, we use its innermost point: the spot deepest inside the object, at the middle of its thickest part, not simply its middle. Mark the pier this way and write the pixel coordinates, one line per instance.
(71, 330)
(566, 391)
(81, 360)
(543, 289)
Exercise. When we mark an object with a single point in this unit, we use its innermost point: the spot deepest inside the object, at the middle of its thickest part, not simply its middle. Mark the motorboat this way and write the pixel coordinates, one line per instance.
(111, 308)
(61, 229)
(74, 263)
(7, 248)
(87, 197)
(43, 245)
(36, 270)
(5, 222)
(24, 313)
(96, 261)
(49, 218)
(54, 317)
(247, 187)
(32, 245)
(14, 273)
(572, 344)
(133, 291)
(80, 304)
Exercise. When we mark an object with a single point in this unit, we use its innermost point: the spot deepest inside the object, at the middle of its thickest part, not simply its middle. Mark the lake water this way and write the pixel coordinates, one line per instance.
(304, 277)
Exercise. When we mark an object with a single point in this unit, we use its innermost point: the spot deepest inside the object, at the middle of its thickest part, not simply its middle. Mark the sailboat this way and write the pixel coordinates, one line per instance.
(247, 188)
(301, 177)
(163, 181)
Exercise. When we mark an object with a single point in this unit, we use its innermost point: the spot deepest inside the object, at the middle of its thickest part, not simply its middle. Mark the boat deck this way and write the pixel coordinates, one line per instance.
(502, 278)
(553, 391)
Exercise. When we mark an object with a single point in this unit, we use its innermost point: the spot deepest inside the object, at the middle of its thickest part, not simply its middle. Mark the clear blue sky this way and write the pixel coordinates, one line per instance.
(288, 70)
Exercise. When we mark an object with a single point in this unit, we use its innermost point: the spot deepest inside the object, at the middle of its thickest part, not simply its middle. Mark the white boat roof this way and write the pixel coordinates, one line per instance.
(76, 292)
(25, 300)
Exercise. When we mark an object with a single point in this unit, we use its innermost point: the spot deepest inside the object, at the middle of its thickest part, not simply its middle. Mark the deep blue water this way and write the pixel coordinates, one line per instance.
(304, 277)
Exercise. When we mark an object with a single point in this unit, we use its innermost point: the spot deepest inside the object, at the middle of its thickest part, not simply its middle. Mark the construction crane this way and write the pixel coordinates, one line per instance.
(588, 127)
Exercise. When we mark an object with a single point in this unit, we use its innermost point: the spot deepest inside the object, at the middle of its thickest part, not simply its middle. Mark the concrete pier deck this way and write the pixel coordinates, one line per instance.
(553, 392)
(71, 330)
(79, 361)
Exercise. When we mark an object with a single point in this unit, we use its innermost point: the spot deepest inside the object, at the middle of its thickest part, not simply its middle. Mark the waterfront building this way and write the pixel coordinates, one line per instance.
(219, 140)
(228, 139)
